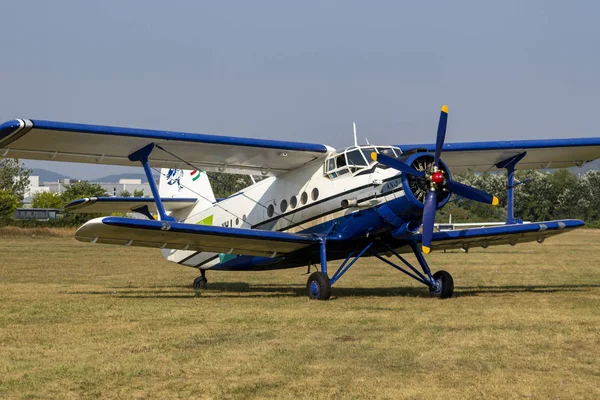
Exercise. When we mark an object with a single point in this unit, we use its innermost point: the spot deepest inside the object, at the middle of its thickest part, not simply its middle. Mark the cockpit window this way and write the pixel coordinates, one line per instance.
(331, 164)
(367, 153)
(355, 159)
(388, 151)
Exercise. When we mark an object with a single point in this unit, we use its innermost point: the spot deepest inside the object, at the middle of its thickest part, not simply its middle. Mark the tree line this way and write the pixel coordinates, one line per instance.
(538, 195)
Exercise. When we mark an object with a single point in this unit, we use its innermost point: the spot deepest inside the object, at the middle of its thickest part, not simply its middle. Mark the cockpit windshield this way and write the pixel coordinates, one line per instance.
(355, 159)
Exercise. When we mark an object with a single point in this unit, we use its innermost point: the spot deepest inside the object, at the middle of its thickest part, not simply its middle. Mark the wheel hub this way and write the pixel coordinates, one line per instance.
(314, 288)
(437, 286)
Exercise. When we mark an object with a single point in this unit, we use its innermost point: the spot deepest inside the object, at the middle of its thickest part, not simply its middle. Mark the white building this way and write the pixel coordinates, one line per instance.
(113, 189)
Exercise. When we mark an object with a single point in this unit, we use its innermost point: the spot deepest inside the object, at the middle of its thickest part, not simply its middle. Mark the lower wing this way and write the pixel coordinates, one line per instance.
(181, 236)
(500, 235)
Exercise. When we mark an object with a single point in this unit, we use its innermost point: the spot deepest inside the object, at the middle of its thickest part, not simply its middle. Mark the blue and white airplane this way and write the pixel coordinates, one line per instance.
(314, 205)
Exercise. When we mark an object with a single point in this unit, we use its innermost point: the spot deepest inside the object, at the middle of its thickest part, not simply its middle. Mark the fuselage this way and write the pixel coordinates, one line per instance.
(340, 196)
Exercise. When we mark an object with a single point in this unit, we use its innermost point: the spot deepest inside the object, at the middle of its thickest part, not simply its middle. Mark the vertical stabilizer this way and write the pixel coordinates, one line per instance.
(182, 183)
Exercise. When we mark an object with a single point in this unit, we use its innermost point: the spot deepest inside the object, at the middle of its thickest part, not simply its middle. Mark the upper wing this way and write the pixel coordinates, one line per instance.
(176, 235)
(96, 144)
(500, 235)
(541, 154)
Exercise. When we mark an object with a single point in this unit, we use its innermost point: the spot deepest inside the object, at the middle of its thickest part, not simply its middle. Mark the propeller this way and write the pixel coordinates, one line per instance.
(436, 180)
(397, 164)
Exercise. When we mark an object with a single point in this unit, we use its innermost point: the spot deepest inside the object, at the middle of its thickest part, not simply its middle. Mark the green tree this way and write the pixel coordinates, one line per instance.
(138, 193)
(78, 190)
(48, 200)
(225, 185)
(125, 193)
(8, 203)
(14, 177)
(81, 189)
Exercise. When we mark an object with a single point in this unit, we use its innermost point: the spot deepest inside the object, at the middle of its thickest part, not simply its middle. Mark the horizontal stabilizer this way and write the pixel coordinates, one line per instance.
(176, 235)
(102, 205)
(501, 235)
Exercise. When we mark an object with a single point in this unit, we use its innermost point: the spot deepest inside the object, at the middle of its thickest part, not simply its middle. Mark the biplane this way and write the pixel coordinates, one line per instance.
(313, 205)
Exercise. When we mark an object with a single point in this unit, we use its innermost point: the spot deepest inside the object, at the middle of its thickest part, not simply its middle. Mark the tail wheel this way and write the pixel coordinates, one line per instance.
(318, 286)
(200, 283)
(444, 285)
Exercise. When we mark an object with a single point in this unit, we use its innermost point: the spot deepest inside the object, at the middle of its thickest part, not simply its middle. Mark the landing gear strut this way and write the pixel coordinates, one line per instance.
(440, 284)
(200, 283)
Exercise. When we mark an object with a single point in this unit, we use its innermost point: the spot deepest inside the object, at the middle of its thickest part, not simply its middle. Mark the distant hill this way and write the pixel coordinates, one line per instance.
(51, 176)
(47, 176)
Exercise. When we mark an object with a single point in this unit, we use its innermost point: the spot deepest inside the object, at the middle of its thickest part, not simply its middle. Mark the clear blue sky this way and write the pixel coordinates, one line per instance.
(305, 70)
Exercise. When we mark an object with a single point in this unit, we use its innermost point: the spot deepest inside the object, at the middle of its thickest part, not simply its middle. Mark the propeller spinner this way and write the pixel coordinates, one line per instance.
(436, 180)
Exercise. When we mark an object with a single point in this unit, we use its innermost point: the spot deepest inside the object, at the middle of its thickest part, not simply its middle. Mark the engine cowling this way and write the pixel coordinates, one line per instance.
(416, 188)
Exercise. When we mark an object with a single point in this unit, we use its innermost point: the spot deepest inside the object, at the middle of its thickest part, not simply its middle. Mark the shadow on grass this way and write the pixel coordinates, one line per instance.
(244, 290)
(464, 291)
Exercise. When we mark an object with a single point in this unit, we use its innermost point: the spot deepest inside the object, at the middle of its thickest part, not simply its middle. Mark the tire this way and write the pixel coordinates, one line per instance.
(200, 283)
(318, 286)
(446, 289)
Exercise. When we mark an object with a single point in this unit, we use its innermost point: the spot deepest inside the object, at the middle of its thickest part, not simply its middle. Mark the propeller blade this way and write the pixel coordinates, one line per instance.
(396, 164)
(441, 134)
(428, 220)
(472, 193)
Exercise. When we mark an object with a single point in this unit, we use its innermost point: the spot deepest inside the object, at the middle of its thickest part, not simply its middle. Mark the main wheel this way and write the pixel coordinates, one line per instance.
(200, 283)
(318, 286)
(444, 287)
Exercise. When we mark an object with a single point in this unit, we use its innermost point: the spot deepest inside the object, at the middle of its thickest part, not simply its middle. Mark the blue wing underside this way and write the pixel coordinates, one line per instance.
(258, 249)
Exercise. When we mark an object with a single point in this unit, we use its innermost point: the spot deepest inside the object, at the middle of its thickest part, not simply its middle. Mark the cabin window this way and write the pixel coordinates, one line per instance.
(304, 198)
(293, 202)
(283, 205)
(270, 210)
(315, 194)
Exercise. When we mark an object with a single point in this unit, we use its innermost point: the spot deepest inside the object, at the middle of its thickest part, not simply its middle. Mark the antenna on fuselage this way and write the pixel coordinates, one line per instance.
(355, 139)
(367, 140)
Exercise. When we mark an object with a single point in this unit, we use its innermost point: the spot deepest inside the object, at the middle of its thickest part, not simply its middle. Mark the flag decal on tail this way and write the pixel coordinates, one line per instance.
(195, 175)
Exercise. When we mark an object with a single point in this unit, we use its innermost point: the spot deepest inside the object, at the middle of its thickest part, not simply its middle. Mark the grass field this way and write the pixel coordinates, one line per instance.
(80, 320)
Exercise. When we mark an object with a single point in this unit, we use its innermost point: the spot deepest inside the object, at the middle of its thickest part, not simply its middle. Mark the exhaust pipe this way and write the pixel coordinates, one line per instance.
(347, 203)
(407, 229)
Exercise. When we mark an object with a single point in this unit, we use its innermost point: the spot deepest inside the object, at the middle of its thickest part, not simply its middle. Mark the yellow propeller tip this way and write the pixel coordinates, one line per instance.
(445, 109)
(425, 249)
(495, 201)
(374, 156)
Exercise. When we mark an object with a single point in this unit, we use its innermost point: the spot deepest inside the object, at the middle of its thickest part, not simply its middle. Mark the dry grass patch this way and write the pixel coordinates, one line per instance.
(80, 320)
(15, 231)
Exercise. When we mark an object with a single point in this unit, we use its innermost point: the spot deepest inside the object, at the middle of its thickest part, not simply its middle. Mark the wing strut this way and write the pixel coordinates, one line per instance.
(510, 164)
(141, 155)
